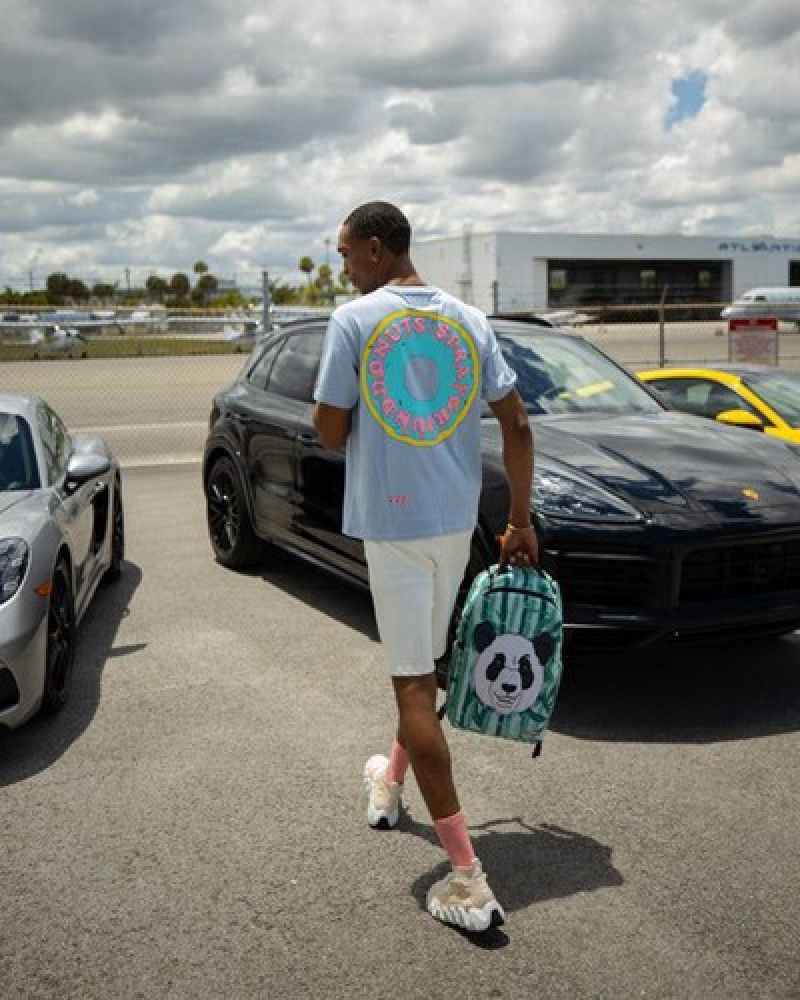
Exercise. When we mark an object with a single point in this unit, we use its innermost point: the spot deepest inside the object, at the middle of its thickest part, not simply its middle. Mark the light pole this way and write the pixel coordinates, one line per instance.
(31, 266)
(266, 319)
(328, 269)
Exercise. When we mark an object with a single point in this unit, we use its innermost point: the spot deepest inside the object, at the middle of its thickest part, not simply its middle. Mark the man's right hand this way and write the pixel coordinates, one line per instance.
(519, 547)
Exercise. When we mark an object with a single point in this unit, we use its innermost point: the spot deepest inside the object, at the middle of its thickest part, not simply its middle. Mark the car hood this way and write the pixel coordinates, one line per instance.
(661, 462)
(21, 513)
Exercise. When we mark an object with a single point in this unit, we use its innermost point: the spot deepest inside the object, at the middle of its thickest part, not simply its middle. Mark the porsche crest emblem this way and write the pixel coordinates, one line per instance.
(751, 494)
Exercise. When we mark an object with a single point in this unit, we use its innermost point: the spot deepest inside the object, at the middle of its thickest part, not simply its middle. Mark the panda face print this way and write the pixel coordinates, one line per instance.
(508, 673)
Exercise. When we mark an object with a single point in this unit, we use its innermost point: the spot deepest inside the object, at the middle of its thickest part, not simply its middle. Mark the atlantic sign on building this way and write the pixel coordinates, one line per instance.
(500, 271)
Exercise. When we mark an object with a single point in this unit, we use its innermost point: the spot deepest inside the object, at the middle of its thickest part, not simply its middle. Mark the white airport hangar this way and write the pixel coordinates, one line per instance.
(509, 272)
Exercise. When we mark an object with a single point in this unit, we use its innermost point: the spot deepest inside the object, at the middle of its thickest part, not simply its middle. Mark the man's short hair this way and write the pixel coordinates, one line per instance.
(381, 219)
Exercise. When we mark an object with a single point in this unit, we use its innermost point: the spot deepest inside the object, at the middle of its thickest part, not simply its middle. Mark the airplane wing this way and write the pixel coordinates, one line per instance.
(81, 323)
(180, 319)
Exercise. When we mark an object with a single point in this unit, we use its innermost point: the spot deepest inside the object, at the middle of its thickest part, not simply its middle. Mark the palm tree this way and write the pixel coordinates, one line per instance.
(156, 287)
(306, 265)
(179, 285)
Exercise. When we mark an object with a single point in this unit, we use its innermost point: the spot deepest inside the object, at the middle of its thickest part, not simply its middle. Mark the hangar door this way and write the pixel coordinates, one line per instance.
(637, 282)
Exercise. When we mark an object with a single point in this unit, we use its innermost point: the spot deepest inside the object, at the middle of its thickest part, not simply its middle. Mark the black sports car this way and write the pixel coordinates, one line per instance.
(659, 527)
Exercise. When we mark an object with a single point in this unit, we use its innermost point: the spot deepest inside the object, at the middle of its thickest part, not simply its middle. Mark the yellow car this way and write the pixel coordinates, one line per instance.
(765, 399)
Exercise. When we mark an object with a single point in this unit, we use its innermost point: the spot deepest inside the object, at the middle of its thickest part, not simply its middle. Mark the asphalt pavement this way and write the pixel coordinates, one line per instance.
(150, 410)
(192, 825)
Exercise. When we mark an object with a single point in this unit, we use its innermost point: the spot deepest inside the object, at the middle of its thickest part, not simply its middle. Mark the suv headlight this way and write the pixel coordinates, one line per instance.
(568, 497)
(13, 563)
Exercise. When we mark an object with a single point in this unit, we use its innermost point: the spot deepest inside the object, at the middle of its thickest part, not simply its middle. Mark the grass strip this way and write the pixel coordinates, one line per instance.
(128, 347)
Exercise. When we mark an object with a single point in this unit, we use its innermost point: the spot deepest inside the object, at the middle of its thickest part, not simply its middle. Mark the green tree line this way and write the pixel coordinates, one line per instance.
(322, 288)
(181, 291)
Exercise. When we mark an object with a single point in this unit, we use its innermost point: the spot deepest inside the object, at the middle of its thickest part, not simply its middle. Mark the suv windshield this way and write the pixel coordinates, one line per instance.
(562, 374)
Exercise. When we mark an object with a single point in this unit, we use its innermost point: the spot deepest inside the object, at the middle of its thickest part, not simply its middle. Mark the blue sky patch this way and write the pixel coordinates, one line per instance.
(688, 97)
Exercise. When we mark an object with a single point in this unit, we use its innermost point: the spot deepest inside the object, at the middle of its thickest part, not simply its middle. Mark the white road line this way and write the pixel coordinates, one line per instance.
(145, 461)
(112, 428)
(154, 444)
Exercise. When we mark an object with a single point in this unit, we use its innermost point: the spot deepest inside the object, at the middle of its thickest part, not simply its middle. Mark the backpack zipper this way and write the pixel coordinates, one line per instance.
(520, 590)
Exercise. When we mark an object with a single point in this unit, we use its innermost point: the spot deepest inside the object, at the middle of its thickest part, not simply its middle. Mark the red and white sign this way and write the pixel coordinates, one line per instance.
(753, 339)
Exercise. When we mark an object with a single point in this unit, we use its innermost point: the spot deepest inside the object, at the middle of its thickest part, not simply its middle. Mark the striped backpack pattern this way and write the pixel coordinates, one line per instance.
(505, 667)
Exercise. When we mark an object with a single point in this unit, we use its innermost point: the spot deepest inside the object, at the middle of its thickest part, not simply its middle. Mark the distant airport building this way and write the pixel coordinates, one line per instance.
(225, 286)
(507, 272)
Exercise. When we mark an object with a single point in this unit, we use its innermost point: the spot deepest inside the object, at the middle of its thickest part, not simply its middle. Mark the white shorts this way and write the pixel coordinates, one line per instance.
(414, 587)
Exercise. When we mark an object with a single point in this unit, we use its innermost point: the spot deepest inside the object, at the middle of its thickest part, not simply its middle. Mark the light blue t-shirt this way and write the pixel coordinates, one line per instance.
(414, 364)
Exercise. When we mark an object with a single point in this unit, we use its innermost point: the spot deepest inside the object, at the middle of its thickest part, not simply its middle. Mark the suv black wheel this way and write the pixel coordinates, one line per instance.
(230, 529)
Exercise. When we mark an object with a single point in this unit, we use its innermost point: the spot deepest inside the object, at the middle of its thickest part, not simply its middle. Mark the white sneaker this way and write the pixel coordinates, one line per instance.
(383, 808)
(463, 898)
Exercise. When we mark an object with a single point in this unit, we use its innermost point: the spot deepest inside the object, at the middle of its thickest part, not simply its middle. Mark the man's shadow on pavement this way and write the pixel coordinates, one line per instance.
(526, 865)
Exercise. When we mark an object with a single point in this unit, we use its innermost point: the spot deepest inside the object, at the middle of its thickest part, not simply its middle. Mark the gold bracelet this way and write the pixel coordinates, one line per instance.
(520, 531)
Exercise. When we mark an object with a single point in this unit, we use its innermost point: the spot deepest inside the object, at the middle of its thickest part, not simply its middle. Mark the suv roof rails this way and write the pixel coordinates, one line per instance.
(289, 324)
(530, 318)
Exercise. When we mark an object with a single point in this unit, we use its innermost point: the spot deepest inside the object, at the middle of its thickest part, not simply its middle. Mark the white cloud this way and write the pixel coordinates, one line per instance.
(149, 135)
(84, 198)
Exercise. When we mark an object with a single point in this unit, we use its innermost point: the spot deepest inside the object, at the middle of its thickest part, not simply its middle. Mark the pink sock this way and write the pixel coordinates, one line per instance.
(398, 764)
(452, 832)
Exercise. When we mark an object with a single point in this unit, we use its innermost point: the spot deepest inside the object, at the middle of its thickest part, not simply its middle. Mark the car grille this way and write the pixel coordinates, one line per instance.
(642, 580)
(741, 570)
(607, 579)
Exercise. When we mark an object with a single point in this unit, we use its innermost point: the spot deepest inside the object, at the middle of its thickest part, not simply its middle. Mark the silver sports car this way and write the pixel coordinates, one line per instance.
(62, 531)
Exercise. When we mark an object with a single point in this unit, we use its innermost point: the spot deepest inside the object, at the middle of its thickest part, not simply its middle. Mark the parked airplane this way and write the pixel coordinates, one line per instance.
(277, 314)
(773, 303)
(245, 335)
(76, 319)
(210, 319)
(55, 338)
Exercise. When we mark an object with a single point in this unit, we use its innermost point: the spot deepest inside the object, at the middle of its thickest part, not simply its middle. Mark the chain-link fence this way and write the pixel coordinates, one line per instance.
(653, 335)
(149, 390)
(649, 334)
(655, 344)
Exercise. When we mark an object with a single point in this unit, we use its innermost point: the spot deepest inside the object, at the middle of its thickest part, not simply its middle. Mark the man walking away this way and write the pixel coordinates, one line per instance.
(404, 371)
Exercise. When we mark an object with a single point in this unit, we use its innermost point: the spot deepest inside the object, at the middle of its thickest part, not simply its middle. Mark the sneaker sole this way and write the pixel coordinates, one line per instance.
(382, 824)
(473, 921)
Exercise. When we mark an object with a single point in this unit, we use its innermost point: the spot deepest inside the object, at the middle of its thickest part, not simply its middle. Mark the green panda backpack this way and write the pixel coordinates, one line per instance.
(505, 668)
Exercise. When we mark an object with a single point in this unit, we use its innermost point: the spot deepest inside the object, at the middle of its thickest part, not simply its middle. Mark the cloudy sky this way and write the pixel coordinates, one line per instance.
(146, 134)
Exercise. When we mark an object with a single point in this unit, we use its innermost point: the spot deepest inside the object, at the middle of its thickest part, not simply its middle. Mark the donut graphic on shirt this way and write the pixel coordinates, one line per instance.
(419, 376)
